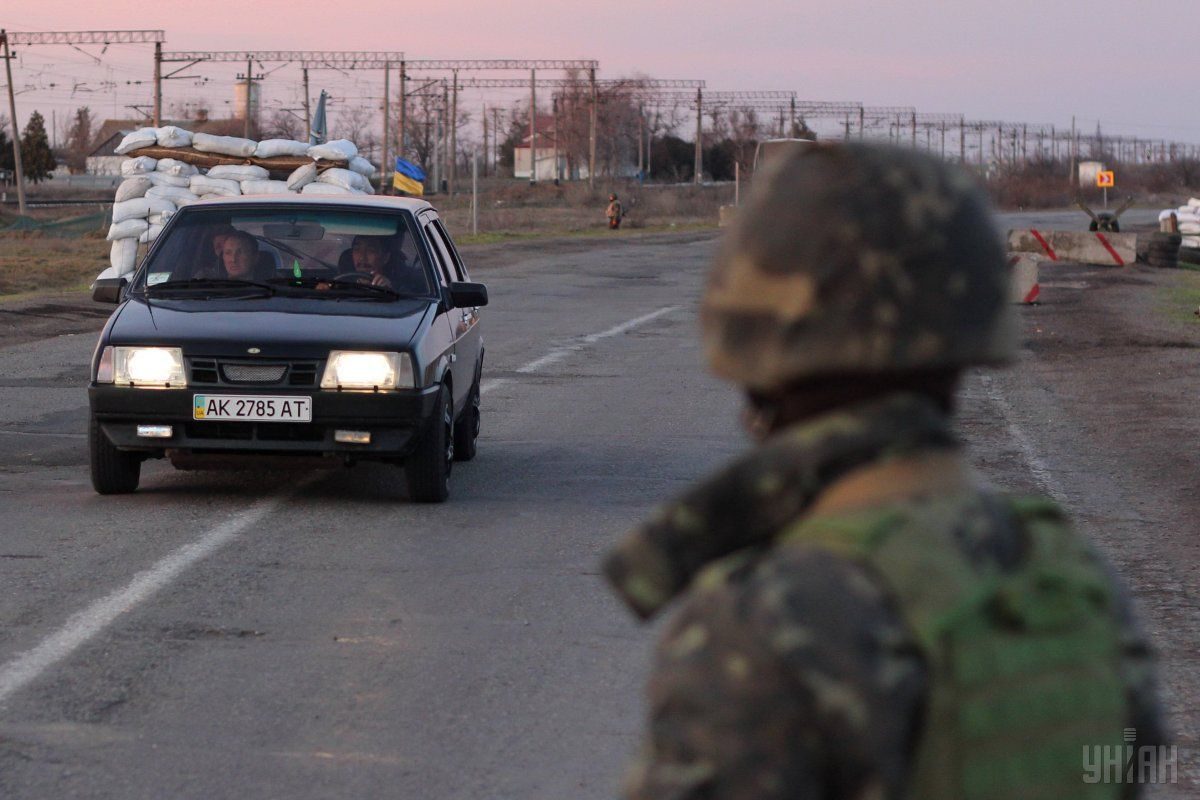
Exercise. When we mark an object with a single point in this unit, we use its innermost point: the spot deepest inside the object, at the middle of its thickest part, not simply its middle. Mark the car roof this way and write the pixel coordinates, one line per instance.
(373, 201)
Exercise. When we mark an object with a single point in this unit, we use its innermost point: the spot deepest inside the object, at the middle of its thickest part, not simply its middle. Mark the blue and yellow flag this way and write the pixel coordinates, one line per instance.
(409, 178)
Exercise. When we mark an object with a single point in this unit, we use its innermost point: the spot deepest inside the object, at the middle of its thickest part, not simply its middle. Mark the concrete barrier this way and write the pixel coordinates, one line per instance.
(1105, 249)
(1024, 278)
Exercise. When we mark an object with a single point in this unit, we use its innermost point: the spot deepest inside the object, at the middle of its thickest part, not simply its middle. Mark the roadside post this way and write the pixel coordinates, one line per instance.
(474, 193)
(1105, 179)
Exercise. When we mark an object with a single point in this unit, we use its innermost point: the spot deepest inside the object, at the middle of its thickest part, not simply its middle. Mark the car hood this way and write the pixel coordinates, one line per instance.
(296, 330)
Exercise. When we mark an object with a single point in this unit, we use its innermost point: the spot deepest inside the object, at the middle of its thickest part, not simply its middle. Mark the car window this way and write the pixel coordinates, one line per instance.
(460, 272)
(439, 253)
(292, 242)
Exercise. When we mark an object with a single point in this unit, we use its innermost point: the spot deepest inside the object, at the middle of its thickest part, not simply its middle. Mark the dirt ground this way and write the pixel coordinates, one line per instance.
(1100, 413)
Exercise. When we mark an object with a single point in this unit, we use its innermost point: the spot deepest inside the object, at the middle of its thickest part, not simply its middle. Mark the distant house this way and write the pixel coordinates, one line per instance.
(103, 159)
(551, 162)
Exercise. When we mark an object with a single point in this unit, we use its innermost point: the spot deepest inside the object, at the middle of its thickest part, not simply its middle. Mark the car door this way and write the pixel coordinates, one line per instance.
(461, 369)
(470, 342)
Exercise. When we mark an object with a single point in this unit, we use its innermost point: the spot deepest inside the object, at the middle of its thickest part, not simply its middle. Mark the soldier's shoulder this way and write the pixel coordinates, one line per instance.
(796, 595)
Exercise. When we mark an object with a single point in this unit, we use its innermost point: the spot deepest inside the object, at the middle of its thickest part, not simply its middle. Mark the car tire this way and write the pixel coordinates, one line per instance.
(113, 471)
(427, 469)
(466, 427)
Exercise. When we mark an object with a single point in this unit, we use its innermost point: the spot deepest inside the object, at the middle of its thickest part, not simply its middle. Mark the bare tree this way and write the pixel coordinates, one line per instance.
(284, 124)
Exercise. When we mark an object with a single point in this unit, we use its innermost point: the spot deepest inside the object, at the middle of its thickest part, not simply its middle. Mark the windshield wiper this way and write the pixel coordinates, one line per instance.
(341, 287)
(209, 285)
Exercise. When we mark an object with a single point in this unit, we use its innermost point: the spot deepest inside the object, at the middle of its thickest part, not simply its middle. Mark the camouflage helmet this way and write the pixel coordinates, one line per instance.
(857, 259)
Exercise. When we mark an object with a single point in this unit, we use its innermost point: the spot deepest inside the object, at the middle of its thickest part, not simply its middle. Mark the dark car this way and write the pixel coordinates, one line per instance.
(340, 327)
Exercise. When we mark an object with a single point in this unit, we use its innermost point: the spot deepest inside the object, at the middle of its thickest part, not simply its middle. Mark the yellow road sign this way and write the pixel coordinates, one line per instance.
(1106, 179)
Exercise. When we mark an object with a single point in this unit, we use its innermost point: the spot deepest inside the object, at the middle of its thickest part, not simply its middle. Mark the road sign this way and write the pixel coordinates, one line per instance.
(1105, 179)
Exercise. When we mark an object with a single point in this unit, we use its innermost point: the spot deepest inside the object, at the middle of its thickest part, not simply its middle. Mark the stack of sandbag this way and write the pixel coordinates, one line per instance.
(1187, 218)
(155, 187)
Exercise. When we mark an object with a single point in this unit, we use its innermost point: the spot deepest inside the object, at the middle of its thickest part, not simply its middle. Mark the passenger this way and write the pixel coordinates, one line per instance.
(239, 256)
(212, 263)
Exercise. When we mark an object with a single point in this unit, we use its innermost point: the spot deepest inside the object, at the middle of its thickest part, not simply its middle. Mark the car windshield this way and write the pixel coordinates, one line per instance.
(326, 253)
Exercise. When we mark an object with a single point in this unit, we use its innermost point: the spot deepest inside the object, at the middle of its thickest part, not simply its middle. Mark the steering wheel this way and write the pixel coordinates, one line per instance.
(356, 276)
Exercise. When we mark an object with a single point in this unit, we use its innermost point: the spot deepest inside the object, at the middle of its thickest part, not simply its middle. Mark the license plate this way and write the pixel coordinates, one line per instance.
(251, 408)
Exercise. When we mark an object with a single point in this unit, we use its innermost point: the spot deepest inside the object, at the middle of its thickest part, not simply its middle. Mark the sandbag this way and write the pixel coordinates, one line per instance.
(1194, 202)
(172, 136)
(1189, 227)
(173, 166)
(134, 208)
(151, 233)
(362, 166)
(123, 255)
(224, 145)
(337, 150)
(189, 200)
(325, 188)
(142, 137)
(176, 194)
(202, 185)
(142, 165)
(159, 217)
(344, 178)
(132, 187)
(238, 172)
(270, 148)
(127, 229)
(163, 179)
(265, 187)
(302, 177)
(1189, 241)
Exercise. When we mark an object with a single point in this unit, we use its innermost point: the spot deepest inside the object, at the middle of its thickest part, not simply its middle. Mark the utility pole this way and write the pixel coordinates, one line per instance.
(454, 136)
(485, 140)
(307, 108)
(12, 107)
(157, 84)
(594, 113)
(698, 166)
(400, 143)
(532, 126)
(385, 158)
(249, 88)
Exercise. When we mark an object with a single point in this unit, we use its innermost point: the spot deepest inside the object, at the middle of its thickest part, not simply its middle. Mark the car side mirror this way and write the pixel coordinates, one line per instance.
(468, 295)
(109, 290)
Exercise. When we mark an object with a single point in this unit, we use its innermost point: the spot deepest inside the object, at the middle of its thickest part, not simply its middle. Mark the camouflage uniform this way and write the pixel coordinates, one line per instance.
(796, 670)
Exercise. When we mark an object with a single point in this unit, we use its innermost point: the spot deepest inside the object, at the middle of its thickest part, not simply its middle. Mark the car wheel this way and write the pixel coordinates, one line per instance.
(113, 471)
(427, 470)
(466, 428)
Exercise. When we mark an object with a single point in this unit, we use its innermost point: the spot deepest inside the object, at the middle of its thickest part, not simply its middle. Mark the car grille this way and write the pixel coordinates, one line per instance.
(253, 373)
(229, 372)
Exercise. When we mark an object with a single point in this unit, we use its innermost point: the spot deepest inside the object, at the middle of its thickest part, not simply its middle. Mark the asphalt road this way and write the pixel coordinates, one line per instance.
(312, 634)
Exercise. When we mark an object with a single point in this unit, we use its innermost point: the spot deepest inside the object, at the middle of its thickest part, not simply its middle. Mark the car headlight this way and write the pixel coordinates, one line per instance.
(143, 367)
(349, 369)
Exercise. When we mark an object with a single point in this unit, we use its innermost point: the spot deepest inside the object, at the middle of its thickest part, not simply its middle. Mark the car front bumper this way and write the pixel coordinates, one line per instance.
(394, 419)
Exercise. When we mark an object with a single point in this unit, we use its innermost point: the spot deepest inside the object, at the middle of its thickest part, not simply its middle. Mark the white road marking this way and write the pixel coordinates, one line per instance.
(1041, 473)
(562, 352)
(82, 626)
(39, 433)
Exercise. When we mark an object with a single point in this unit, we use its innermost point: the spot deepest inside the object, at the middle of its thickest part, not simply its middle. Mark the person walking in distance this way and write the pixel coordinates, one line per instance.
(858, 617)
(613, 212)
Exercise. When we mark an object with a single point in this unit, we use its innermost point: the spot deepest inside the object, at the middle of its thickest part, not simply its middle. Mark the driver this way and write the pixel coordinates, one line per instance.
(372, 257)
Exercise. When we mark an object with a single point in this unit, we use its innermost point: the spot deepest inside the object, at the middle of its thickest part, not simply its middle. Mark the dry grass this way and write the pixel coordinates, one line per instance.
(33, 262)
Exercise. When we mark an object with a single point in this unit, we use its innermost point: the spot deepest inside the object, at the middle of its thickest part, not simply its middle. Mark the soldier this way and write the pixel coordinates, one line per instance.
(859, 618)
(613, 212)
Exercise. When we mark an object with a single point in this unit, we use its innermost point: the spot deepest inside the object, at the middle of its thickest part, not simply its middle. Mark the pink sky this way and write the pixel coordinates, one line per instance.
(1124, 64)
